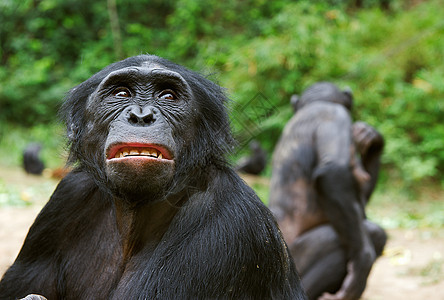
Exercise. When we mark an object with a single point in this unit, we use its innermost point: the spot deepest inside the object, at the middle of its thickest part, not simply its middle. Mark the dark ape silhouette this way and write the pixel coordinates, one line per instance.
(256, 162)
(152, 210)
(324, 171)
(31, 160)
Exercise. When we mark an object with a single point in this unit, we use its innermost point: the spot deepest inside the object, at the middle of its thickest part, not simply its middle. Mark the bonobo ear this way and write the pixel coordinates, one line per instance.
(349, 96)
(72, 129)
(70, 113)
(294, 101)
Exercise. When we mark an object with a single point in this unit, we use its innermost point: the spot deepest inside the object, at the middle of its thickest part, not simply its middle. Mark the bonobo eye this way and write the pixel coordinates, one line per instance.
(122, 92)
(167, 95)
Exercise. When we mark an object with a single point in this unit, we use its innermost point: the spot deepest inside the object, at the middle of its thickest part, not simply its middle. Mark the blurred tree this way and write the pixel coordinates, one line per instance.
(262, 51)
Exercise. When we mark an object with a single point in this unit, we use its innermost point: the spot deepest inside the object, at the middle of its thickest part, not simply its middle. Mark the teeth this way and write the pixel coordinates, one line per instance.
(137, 152)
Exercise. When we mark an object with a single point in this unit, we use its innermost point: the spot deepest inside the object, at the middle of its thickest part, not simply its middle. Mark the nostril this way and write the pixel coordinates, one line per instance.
(148, 119)
(133, 119)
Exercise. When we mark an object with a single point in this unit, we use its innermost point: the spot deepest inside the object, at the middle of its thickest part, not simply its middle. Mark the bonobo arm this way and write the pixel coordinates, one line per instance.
(370, 144)
(338, 197)
(34, 270)
(37, 267)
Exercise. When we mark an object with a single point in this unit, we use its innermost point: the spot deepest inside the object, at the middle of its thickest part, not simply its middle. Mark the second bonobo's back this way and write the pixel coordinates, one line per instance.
(303, 147)
(296, 144)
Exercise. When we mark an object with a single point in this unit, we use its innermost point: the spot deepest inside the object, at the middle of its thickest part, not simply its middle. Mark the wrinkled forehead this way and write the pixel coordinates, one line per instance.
(147, 71)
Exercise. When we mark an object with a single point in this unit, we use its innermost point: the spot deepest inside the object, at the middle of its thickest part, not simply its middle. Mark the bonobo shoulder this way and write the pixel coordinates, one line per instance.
(77, 183)
(306, 120)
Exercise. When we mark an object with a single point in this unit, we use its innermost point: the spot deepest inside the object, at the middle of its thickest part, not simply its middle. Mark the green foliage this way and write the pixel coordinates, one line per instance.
(262, 51)
(407, 105)
(392, 64)
(15, 139)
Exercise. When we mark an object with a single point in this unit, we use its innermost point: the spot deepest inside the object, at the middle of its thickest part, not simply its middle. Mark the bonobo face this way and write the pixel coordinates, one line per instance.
(145, 127)
(145, 111)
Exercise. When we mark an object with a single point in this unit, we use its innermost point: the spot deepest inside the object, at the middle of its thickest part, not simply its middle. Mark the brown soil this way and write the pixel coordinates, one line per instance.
(412, 266)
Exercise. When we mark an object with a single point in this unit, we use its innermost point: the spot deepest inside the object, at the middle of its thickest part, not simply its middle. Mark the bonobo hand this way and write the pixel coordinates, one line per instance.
(357, 272)
(366, 137)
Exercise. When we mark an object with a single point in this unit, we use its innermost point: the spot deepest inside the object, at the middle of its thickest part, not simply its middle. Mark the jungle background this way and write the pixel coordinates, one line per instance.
(389, 53)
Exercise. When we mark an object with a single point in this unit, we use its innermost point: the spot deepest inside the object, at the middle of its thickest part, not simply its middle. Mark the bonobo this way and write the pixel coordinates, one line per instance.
(152, 210)
(31, 160)
(256, 162)
(324, 171)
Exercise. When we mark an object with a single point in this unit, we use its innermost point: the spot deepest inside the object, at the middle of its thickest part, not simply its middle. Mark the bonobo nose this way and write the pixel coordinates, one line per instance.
(141, 116)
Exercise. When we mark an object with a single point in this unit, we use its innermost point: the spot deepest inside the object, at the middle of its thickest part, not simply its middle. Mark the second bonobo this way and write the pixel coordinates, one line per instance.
(324, 171)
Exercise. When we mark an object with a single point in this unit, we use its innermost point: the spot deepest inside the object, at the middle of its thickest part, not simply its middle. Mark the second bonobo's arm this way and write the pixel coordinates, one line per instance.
(370, 144)
(338, 197)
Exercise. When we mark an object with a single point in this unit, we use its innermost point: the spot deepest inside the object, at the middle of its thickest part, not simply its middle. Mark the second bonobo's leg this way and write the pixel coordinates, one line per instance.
(377, 236)
(326, 276)
(312, 245)
(321, 261)
(356, 277)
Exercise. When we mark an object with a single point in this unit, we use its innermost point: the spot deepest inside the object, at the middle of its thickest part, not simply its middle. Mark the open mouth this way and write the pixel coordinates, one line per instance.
(138, 150)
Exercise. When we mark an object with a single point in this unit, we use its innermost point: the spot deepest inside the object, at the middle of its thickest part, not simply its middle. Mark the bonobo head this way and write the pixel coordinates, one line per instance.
(323, 91)
(145, 127)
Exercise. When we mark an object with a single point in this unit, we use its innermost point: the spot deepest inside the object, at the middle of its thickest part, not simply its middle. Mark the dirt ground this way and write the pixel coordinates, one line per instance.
(412, 266)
